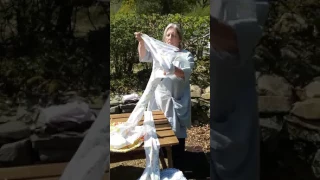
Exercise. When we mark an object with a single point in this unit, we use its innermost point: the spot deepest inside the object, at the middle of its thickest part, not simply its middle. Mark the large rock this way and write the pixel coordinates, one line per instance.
(127, 106)
(55, 156)
(207, 90)
(115, 110)
(205, 96)
(62, 141)
(274, 104)
(5, 119)
(127, 110)
(271, 85)
(77, 99)
(308, 109)
(16, 153)
(60, 127)
(13, 131)
(114, 103)
(303, 130)
(313, 90)
(195, 91)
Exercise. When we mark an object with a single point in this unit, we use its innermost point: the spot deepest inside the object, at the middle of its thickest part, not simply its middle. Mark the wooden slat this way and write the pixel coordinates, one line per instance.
(168, 141)
(165, 133)
(164, 126)
(41, 171)
(156, 122)
(128, 114)
(168, 127)
(123, 119)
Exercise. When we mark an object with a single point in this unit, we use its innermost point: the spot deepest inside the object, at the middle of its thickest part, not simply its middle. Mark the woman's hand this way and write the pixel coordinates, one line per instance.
(176, 71)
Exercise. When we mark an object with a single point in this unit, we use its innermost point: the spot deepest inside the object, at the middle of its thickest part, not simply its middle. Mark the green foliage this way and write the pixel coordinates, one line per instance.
(199, 11)
(123, 45)
(127, 6)
(115, 5)
(41, 53)
(163, 7)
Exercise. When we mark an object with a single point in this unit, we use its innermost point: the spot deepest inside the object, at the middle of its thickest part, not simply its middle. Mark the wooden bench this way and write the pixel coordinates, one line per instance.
(37, 172)
(165, 134)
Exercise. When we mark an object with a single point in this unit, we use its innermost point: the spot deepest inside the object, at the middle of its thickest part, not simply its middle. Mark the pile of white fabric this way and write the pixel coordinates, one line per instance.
(164, 56)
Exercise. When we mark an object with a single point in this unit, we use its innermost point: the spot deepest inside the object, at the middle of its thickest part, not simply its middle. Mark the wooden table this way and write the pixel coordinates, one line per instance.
(165, 134)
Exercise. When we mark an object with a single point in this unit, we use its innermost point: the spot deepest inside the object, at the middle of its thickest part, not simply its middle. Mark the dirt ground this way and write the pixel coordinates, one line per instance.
(275, 166)
(196, 166)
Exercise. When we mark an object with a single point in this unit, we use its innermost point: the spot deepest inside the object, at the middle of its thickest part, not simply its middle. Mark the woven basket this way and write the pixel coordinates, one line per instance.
(128, 148)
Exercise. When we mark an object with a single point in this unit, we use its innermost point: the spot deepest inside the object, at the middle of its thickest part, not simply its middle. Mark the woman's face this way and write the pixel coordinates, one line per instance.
(172, 37)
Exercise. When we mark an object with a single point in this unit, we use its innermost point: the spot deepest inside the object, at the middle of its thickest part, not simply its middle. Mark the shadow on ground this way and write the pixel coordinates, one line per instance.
(125, 173)
(195, 167)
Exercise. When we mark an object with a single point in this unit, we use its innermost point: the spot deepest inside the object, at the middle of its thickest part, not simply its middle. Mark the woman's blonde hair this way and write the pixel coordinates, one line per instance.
(179, 32)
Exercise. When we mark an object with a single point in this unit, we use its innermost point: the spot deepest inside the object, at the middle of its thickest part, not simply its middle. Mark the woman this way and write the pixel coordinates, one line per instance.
(234, 116)
(172, 95)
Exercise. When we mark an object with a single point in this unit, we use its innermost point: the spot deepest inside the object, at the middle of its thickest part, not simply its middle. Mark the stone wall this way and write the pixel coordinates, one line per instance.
(290, 115)
(26, 139)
